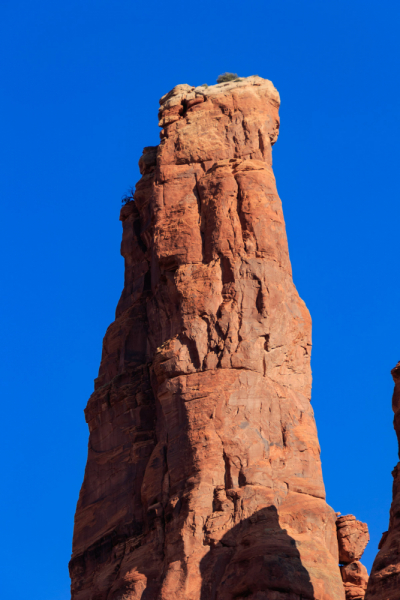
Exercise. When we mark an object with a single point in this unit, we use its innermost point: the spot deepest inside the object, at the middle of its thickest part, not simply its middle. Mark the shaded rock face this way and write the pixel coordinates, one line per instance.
(203, 479)
(384, 581)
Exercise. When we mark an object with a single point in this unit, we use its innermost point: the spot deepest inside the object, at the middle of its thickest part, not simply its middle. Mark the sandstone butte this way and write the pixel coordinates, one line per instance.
(203, 479)
(384, 582)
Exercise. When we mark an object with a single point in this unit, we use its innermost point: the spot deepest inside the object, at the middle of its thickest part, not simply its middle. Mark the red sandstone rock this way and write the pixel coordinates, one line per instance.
(203, 479)
(355, 579)
(353, 538)
(384, 581)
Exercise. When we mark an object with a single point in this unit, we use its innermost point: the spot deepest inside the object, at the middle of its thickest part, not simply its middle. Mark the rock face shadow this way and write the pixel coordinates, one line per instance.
(255, 560)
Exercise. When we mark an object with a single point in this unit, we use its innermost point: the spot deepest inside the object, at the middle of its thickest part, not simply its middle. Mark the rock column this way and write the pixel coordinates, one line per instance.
(203, 479)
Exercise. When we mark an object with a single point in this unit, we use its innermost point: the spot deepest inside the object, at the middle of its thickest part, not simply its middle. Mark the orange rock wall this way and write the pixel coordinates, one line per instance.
(384, 581)
(203, 479)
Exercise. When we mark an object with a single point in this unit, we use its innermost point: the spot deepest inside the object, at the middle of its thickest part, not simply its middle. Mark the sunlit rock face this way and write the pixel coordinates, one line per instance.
(353, 537)
(203, 479)
(384, 582)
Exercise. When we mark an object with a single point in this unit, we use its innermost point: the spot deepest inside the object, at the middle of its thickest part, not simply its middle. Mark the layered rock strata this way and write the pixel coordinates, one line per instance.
(203, 479)
(353, 537)
(384, 581)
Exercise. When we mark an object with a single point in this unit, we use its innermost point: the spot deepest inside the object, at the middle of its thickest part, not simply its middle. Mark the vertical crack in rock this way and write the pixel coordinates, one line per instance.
(205, 482)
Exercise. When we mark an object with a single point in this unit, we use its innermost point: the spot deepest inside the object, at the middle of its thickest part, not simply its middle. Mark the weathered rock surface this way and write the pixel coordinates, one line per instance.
(355, 579)
(353, 537)
(203, 479)
(384, 581)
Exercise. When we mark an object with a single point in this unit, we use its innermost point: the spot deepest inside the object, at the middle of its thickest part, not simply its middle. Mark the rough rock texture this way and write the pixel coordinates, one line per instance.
(353, 537)
(355, 579)
(384, 581)
(203, 479)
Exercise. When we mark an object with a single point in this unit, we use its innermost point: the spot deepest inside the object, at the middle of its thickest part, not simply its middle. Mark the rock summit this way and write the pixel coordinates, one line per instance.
(203, 479)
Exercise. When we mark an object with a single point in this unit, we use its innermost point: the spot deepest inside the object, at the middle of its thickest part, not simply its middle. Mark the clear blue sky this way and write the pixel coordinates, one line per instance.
(80, 82)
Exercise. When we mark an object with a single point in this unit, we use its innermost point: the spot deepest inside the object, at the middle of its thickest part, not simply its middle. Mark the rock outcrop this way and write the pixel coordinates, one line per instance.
(355, 580)
(203, 479)
(353, 537)
(384, 581)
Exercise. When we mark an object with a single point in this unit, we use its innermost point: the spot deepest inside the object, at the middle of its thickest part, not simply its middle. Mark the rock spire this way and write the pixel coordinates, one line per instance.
(203, 479)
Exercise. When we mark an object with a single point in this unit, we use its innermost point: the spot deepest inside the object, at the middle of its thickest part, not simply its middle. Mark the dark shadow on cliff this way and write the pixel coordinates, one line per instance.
(256, 560)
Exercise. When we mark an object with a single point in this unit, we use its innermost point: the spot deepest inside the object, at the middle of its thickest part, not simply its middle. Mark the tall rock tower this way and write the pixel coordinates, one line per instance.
(203, 479)
(384, 582)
